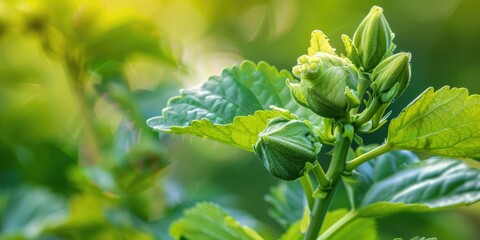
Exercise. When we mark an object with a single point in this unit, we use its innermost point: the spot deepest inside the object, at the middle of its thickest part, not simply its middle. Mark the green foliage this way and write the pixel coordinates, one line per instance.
(284, 200)
(350, 94)
(242, 132)
(241, 91)
(398, 181)
(208, 221)
(88, 166)
(443, 122)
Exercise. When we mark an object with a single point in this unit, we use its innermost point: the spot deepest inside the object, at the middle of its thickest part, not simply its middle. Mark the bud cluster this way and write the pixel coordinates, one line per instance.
(334, 87)
(329, 85)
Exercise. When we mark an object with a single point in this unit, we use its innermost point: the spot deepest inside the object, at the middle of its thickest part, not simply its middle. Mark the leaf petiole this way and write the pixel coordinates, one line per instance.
(308, 189)
(351, 165)
(321, 176)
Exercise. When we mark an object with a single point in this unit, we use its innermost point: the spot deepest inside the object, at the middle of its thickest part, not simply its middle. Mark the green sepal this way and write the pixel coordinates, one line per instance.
(352, 52)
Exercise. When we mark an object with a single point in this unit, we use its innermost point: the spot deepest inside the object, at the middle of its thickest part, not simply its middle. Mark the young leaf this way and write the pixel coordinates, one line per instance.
(444, 122)
(319, 43)
(286, 200)
(211, 110)
(207, 221)
(397, 182)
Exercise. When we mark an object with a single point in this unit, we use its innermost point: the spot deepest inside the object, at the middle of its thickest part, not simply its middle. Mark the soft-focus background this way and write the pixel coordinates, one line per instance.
(79, 78)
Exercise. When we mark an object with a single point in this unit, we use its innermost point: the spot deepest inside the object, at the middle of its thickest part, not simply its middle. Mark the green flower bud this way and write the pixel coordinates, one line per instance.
(323, 79)
(373, 39)
(285, 146)
(391, 76)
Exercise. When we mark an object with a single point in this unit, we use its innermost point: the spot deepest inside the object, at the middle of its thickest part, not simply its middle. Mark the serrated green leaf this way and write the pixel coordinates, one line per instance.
(398, 181)
(241, 133)
(220, 108)
(319, 43)
(207, 221)
(286, 200)
(444, 122)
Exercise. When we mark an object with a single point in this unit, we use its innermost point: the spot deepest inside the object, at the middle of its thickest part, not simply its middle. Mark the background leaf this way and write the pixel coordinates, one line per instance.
(207, 221)
(444, 122)
(398, 181)
(239, 91)
(286, 200)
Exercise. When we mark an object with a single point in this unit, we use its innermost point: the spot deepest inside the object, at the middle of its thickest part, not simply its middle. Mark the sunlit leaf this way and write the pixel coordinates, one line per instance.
(398, 181)
(319, 43)
(207, 221)
(444, 122)
(213, 110)
(286, 200)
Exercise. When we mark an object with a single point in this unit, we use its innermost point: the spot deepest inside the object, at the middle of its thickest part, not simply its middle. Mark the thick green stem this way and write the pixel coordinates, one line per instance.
(339, 156)
(334, 172)
(308, 189)
(367, 156)
(344, 221)
(368, 113)
(319, 212)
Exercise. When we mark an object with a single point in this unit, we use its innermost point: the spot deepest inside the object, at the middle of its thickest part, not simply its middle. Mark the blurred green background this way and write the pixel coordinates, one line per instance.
(78, 79)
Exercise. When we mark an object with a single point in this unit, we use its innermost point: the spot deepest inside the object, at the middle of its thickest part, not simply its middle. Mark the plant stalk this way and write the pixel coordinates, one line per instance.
(367, 156)
(318, 214)
(334, 172)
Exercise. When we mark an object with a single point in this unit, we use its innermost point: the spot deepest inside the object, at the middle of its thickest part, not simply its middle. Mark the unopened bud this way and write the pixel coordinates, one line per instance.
(373, 39)
(391, 72)
(285, 146)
